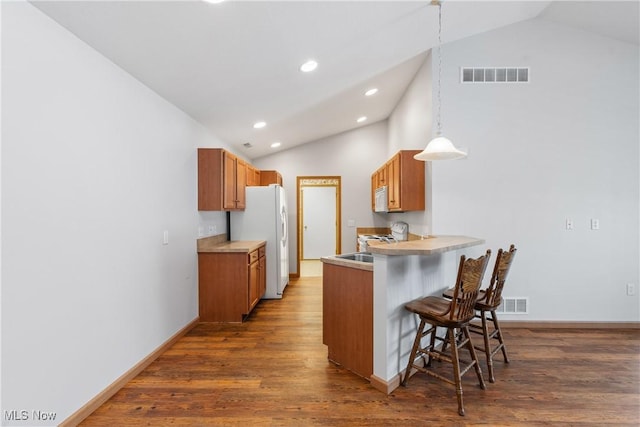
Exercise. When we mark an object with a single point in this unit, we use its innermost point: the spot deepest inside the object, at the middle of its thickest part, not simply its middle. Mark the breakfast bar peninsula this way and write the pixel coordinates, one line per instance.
(402, 272)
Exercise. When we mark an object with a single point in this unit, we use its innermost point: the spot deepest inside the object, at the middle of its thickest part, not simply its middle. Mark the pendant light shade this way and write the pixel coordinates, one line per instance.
(440, 148)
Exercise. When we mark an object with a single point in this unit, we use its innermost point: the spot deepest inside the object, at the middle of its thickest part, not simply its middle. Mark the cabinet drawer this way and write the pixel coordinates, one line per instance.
(253, 257)
(262, 251)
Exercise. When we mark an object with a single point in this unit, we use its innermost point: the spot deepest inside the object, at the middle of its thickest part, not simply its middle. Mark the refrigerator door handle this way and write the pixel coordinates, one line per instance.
(283, 223)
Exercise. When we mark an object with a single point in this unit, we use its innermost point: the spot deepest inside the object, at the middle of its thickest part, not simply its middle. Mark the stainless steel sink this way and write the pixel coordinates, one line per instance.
(357, 256)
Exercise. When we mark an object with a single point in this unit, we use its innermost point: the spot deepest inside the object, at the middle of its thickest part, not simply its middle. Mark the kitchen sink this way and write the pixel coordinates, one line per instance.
(357, 256)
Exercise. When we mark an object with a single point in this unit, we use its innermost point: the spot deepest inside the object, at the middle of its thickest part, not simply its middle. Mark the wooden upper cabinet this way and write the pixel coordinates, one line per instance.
(404, 177)
(222, 179)
(241, 185)
(253, 176)
(393, 177)
(270, 177)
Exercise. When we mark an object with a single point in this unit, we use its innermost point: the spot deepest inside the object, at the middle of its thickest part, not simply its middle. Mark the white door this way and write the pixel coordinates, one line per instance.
(319, 222)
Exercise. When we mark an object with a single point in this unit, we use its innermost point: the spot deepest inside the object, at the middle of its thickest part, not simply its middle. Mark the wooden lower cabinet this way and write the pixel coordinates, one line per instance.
(347, 317)
(230, 284)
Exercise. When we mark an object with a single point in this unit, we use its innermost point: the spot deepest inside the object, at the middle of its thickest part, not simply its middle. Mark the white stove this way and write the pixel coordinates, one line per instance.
(399, 232)
(363, 240)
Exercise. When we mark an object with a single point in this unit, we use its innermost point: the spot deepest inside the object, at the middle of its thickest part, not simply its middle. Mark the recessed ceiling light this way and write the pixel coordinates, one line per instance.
(213, 1)
(362, 119)
(276, 144)
(371, 91)
(309, 66)
(259, 125)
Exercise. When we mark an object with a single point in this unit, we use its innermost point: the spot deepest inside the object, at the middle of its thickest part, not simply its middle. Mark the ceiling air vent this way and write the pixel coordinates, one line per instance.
(514, 305)
(494, 74)
(247, 145)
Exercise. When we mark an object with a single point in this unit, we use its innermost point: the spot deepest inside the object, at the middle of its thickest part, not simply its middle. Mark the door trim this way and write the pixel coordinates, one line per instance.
(317, 181)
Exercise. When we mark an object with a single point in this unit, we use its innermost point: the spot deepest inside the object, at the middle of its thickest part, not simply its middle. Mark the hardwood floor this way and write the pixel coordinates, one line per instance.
(272, 370)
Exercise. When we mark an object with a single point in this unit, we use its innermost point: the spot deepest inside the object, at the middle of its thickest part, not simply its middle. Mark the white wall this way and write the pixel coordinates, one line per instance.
(410, 128)
(563, 146)
(352, 155)
(95, 166)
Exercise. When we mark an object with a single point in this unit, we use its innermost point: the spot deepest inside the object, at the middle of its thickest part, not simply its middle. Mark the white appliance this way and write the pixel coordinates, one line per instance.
(381, 204)
(400, 230)
(265, 218)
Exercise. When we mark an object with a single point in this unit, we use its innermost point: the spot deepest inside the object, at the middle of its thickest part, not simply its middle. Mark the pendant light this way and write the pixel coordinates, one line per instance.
(439, 148)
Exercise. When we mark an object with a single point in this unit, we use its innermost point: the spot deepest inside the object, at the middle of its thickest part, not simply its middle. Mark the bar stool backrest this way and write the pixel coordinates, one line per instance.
(493, 294)
(470, 274)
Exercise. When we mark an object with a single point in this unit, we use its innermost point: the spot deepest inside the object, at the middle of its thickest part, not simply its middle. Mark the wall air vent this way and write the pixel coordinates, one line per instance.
(514, 305)
(494, 74)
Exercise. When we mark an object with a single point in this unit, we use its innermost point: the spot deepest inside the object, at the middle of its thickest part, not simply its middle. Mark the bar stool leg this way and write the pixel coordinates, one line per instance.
(451, 335)
(414, 351)
(496, 325)
(474, 357)
(487, 345)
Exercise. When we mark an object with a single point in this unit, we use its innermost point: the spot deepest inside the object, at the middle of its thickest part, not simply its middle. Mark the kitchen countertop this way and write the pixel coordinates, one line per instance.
(347, 263)
(214, 245)
(428, 246)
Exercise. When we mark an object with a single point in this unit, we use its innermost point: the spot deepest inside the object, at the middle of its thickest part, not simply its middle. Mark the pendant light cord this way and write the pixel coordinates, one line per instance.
(438, 117)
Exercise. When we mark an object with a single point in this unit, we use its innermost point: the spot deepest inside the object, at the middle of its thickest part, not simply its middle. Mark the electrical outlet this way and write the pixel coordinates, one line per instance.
(212, 229)
(569, 224)
(595, 224)
(631, 289)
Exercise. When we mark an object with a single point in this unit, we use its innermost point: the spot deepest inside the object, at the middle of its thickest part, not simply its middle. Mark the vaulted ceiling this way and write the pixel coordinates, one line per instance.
(232, 64)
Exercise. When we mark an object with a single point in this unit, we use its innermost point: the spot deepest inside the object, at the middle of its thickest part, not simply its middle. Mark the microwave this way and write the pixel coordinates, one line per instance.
(381, 204)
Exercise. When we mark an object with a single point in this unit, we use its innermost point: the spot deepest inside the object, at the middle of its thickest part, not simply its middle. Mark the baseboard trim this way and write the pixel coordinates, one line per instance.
(87, 409)
(551, 324)
(385, 386)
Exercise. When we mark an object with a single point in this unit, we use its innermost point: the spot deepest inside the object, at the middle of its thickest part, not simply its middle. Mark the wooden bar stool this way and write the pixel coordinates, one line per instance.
(488, 302)
(454, 315)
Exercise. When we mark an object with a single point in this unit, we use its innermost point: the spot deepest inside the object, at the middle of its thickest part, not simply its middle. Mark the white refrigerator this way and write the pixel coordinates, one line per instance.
(265, 218)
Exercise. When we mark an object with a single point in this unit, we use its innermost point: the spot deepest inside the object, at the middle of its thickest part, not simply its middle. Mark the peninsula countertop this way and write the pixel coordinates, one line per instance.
(428, 246)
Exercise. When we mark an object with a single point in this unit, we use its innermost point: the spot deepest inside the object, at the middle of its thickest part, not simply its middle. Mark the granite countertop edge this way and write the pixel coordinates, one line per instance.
(429, 246)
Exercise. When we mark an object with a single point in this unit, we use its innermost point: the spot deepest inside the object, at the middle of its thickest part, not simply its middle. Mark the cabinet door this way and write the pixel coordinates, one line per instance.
(411, 178)
(262, 274)
(382, 176)
(235, 182)
(393, 179)
(210, 179)
(374, 185)
(254, 284)
(270, 177)
(241, 184)
(253, 176)
(229, 192)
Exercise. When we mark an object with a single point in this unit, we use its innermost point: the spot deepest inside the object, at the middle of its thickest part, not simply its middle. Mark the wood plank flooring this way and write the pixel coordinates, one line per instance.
(272, 370)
